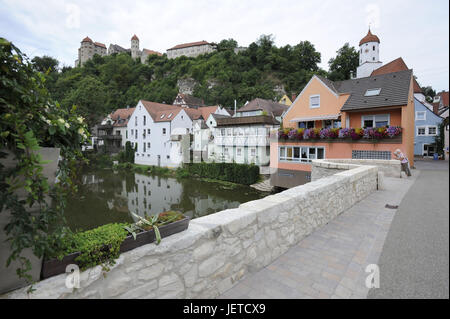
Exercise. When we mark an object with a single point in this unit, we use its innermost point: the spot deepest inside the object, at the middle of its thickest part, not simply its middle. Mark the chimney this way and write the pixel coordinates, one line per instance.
(294, 96)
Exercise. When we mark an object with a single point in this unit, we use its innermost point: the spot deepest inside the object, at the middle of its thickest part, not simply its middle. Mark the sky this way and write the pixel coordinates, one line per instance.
(417, 31)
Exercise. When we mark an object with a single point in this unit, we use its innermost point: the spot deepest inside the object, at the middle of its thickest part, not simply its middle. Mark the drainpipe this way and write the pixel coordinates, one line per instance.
(234, 108)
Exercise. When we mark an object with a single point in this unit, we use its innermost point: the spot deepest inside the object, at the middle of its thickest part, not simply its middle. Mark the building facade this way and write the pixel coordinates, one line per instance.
(243, 140)
(192, 49)
(426, 129)
(372, 102)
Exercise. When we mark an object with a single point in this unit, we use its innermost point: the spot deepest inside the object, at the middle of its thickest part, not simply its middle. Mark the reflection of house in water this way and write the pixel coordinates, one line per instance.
(152, 194)
(206, 204)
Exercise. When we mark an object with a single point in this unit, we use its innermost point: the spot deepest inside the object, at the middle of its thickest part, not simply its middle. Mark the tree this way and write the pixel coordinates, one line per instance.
(229, 44)
(30, 119)
(90, 95)
(45, 64)
(429, 93)
(345, 62)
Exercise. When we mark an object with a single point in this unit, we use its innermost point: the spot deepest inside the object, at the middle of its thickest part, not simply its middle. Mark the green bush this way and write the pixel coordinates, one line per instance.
(100, 245)
(231, 172)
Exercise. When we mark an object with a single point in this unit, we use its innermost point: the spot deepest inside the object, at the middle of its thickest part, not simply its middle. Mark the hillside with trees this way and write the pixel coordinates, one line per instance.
(262, 70)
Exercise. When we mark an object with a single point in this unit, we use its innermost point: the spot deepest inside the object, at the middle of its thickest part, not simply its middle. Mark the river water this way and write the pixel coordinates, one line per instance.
(105, 196)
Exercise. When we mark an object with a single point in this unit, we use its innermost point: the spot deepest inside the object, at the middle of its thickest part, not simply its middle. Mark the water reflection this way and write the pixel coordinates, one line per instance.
(106, 196)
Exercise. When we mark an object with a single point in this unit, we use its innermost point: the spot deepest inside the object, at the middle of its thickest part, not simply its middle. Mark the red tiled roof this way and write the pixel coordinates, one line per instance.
(369, 38)
(156, 110)
(187, 45)
(122, 114)
(396, 66)
(149, 52)
(100, 44)
(194, 114)
(135, 37)
(87, 39)
(272, 108)
(207, 110)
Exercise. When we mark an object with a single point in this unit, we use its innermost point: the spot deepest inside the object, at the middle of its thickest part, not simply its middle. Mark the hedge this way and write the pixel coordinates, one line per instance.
(231, 172)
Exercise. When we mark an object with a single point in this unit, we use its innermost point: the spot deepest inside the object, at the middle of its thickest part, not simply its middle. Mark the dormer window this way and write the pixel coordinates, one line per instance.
(170, 115)
(372, 92)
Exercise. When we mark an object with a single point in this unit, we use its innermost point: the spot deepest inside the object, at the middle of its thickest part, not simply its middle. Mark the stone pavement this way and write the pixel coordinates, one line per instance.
(331, 262)
(415, 258)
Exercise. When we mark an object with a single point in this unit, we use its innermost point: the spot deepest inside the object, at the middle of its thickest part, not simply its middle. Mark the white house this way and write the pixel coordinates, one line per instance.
(162, 132)
(242, 139)
(202, 129)
(150, 128)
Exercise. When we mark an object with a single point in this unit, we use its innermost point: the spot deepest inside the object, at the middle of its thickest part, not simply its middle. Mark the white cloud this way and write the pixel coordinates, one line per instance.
(419, 34)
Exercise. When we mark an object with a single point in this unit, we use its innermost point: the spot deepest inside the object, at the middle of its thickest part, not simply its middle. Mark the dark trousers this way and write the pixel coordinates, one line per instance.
(405, 168)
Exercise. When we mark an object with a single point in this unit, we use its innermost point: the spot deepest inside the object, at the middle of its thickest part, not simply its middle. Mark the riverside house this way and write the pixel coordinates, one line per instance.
(244, 138)
(375, 114)
(162, 133)
(426, 129)
(112, 131)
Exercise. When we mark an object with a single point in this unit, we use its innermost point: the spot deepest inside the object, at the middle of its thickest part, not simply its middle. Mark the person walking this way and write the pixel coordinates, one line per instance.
(403, 160)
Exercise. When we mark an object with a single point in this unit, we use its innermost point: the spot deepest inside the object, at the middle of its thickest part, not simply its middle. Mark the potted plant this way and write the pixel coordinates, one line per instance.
(102, 245)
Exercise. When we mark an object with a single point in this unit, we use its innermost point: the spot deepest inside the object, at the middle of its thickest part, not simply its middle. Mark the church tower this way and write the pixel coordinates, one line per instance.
(369, 55)
(135, 53)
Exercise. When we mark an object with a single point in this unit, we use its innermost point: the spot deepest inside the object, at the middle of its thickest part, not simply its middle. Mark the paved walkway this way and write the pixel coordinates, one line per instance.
(331, 262)
(415, 258)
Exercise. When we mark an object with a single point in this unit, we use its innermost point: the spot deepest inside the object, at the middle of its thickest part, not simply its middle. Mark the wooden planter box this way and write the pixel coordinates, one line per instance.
(55, 267)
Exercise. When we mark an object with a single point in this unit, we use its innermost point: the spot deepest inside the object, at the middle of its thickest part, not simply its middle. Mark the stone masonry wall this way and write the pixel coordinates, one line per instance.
(217, 250)
(389, 168)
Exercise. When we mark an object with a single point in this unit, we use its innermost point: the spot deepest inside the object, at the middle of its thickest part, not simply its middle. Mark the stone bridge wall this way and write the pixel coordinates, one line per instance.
(219, 249)
(328, 167)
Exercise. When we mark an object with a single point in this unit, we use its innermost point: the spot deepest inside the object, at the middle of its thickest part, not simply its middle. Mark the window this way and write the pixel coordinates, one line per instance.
(145, 149)
(168, 156)
(229, 132)
(222, 131)
(253, 151)
(373, 48)
(373, 58)
(302, 154)
(309, 124)
(372, 92)
(170, 115)
(126, 134)
(135, 121)
(384, 155)
(421, 115)
(239, 151)
(148, 144)
(148, 131)
(377, 120)
(145, 120)
(135, 134)
(421, 130)
(162, 116)
(314, 101)
(432, 130)
(164, 131)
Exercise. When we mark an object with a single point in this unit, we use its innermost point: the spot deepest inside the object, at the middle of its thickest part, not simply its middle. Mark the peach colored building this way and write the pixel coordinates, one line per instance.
(385, 100)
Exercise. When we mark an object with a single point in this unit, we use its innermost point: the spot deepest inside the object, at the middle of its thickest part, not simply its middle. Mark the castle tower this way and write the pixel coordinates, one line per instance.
(369, 55)
(135, 53)
(86, 50)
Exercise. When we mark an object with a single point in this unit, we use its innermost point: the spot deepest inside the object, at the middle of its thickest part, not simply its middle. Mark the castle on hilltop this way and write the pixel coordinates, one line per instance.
(89, 48)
